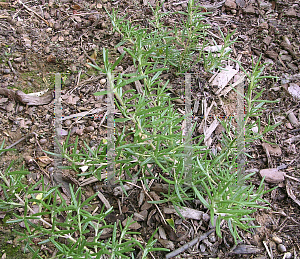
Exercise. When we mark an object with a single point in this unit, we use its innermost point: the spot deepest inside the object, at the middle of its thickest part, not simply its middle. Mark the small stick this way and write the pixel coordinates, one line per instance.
(20, 140)
(36, 14)
(189, 244)
(11, 67)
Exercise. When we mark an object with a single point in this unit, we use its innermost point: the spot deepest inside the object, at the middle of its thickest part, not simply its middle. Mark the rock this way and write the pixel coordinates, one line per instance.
(18, 59)
(271, 54)
(102, 81)
(294, 90)
(46, 15)
(281, 248)
(272, 175)
(292, 66)
(230, 4)
(267, 40)
(288, 255)
(10, 107)
(263, 26)
(277, 240)
(291, 13)
(286, 58)
(43, 141)
(265, 5)
(249, 9)
(56, 26)
(241, 3)
(293, 119)
(89, 129)
(51, 59)
(68, 123)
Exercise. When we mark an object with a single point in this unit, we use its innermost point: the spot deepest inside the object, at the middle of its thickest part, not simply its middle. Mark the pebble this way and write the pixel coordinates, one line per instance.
(288, 255)
(47, 50)
(202, 248)
(18, 60)
(212, 238)
(50, 169)
(56, 26)
(6, 71)
(43, 141)
(102, 81)
(230, 4)
(89, 129)
(281, 248)
(21, 108)
(277, 240)
(68, 123)
(263, 26)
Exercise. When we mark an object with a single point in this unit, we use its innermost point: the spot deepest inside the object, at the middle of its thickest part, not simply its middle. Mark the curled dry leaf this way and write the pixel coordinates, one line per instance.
(272, 149)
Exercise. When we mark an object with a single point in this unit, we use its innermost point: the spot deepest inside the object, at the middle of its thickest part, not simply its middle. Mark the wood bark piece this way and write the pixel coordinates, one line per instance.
(185, 212)
(290, 192)
(189, 244)
(26, 98)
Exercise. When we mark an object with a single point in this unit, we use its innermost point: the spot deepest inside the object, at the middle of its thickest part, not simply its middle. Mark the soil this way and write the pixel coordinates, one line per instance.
(41, 38)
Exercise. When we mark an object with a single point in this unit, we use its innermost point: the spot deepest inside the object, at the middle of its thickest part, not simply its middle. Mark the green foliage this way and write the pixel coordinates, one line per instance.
(151, 145)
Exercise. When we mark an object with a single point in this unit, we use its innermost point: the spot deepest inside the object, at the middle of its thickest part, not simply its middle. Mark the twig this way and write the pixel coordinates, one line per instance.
(189, 244)
(145, 191)
(11, 67)
(20, 140)
(87, 56)
(267, 248)
(36, 14)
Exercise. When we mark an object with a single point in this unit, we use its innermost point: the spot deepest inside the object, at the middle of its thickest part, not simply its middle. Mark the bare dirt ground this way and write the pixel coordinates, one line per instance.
(40, 38)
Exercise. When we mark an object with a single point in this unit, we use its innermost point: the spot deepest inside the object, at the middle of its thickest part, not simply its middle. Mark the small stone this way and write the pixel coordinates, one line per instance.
(233, 11)
(47, 16)
(18, 60)
(288, 255)
(51, 59)
(79, 132)
(249, 9)
(271, 54)
(202, 248)
(94, 124)
(61, 38)
(267, 40)
(286, 58)
(73, 68)
(212, 238)
(291, 13)
(6, 71)
(49, 29)
(50, 169)
(43, 141)
(277, 240)
(272, 175)
(263, 26)
(230, 4)
(56, 26)
(281, 248)
(28, 159)
(233, 26)
(68, 123)
(89, 129)
(292, 66)
(21, 108)
(102, 81)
